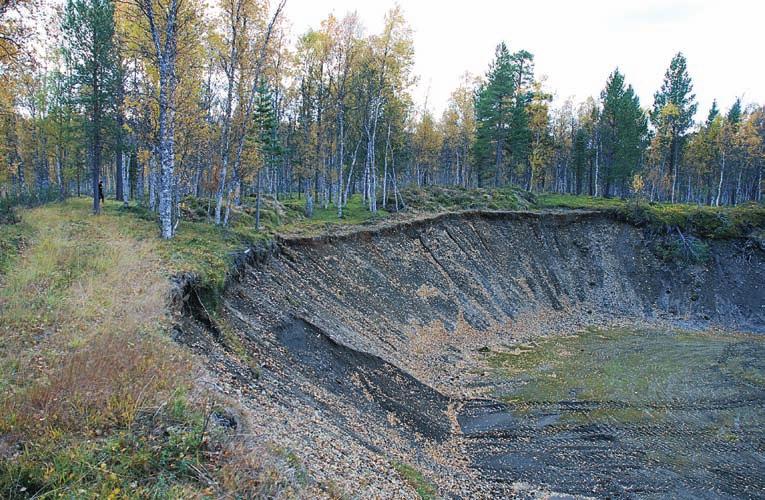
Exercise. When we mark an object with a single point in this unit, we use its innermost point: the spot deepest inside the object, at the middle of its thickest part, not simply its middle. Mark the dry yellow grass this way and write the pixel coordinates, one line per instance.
(91, 385)
(81, 315)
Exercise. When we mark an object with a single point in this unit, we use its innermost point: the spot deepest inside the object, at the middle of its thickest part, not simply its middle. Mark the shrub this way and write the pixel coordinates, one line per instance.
(102, 384)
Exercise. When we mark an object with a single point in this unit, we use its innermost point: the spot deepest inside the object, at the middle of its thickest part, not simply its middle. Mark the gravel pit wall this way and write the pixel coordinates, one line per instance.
(375, 336)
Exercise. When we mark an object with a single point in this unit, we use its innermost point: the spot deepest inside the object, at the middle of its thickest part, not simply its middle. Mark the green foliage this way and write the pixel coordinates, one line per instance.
(681, 248)
(694, 220)
(624, 131)
(422, 486)
(714, 112)
(90, 53)
(554, 200)
(493, 116)
(734, 114)
(354, 213)
(161, 455)
(677, 91)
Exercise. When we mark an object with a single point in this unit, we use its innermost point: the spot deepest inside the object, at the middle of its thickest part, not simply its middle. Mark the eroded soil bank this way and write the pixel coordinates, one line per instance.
(374, 348)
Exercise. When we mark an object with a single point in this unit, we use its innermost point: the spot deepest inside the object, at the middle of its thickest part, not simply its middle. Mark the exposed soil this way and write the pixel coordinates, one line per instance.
(362, 349)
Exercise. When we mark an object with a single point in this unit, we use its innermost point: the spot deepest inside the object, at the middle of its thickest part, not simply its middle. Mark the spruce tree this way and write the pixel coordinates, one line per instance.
(713, 113)
(624, 128)
(734, 114)
(673, 110)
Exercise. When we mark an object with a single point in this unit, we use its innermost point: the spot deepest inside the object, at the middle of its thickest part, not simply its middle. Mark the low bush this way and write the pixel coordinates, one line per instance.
(161, 454)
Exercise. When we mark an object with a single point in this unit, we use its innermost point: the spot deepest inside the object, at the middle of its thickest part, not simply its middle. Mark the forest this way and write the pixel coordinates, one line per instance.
(161, 100)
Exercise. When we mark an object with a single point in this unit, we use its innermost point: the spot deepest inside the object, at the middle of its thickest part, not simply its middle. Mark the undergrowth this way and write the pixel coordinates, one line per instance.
(96, 400)
(161, 454)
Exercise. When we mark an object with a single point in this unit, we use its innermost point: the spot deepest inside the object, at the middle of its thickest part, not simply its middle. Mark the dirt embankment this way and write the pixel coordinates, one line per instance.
(355, 349)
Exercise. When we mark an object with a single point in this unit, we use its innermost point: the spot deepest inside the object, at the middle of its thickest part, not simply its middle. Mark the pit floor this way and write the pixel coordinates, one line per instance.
(627, 412)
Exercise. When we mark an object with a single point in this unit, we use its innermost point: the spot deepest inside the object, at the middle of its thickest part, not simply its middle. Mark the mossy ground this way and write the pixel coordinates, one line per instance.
(698, 220)
(449, 198)
(642, 370)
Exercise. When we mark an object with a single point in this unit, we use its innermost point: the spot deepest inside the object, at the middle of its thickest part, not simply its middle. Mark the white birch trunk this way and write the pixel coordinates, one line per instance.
(153, 183)
(125, 179)
(139, 173)
(340, 160)
(167, 156)
(59, 179)
(719, 185)
(164, 38)
(597, 165)
(385, 170)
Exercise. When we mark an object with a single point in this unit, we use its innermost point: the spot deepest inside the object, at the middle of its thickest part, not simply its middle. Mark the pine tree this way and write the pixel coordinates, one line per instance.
(88, 29)
(493, 117)
(519, 144)
(734, 114)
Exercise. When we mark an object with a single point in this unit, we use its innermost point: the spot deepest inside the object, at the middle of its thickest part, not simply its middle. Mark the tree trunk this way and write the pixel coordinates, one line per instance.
(674, 162)
(719, 185)
(597, 169)
(257, 205)
(226, 133)
(385, 170)
(166, 148)
(125, 179)
(153, 183)
(340, 160)
(119, 164)
(59, 175)
(95, 167)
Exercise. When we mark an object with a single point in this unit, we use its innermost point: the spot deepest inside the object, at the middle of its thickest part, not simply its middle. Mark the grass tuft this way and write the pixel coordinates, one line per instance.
(416, 480)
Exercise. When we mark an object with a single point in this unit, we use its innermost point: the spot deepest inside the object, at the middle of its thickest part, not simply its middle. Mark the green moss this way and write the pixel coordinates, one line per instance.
(416, 480)
(553, 200)
(696, 220)
(634, 367)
